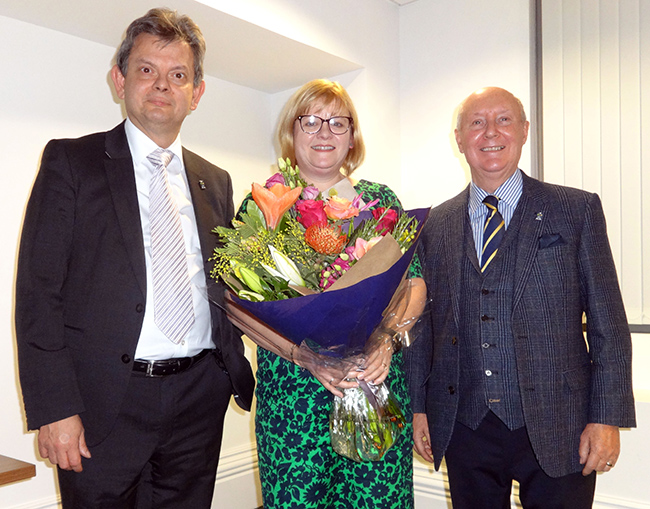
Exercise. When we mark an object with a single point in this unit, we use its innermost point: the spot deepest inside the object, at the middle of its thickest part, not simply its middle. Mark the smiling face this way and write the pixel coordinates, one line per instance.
(158, 88)
(491, 134)
(320, 156)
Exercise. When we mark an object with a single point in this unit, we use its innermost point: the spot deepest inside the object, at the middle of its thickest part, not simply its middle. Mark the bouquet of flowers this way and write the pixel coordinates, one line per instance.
(308, 267)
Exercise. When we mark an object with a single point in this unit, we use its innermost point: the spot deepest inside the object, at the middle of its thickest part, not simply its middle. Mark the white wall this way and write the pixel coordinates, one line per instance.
(448, 50)
(418, 62)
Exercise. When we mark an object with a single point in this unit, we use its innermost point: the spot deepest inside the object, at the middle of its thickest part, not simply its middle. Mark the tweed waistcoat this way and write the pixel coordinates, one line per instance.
(488, 367)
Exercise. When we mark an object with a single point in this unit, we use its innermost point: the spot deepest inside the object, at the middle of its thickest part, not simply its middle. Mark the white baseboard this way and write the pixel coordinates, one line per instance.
(429, 487)
(53, 502)
(238, 483)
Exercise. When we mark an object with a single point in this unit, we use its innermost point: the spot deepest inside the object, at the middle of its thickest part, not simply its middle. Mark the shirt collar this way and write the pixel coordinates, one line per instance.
(141, 145)
(509, 193)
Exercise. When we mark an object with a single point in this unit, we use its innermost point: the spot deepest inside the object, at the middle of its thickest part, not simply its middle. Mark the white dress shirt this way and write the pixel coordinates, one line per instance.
(153, 344)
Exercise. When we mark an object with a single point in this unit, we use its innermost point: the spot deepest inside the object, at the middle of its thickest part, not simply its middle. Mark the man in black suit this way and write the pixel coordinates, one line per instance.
(102, 378)
(502, 381)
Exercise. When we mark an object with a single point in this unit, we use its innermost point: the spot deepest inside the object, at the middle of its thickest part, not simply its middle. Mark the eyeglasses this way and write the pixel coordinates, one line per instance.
(311, 124)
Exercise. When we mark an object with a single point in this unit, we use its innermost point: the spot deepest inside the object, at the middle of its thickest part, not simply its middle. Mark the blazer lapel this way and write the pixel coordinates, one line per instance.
(455, 244)
(534, 214)
(121, 181)
(205, 210)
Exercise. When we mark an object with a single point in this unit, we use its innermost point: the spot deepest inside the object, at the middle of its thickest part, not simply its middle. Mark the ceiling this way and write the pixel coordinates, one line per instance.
(237, 49)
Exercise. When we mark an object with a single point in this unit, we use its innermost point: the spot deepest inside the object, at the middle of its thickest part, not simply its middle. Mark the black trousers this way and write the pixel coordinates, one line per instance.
(164, 449)
(482, 464)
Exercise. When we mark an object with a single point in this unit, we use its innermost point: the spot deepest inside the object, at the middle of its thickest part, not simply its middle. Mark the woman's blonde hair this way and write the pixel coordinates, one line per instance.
(327, 93)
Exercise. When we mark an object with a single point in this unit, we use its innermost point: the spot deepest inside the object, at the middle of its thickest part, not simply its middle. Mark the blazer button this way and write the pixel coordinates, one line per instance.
(485, 318)
(485, 291)
(139, 308)
(126, 358)
(451, 390)
(454, 340)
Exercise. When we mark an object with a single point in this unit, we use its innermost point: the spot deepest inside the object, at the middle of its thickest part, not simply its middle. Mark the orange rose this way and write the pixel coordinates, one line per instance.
(340, 208)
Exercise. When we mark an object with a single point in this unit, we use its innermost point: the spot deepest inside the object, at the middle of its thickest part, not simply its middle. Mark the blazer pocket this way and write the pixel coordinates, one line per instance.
(579, 378)
(551, 240)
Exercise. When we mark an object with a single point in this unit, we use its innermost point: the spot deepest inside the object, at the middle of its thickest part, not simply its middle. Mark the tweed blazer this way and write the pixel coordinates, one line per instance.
(563, 270)
(81, 284)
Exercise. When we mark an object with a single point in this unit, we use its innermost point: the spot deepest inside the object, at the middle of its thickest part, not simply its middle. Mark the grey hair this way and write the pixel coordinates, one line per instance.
(168, 26)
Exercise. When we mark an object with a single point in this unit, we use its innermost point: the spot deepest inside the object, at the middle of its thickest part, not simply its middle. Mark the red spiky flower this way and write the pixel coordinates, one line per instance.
(325, 238)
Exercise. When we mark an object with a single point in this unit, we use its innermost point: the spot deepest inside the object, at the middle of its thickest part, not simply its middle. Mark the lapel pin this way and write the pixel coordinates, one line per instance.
(202, 184)
(539, 216)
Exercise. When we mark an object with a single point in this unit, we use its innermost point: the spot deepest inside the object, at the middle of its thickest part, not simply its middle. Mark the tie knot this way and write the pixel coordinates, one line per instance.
(160, 158)
(491, 201)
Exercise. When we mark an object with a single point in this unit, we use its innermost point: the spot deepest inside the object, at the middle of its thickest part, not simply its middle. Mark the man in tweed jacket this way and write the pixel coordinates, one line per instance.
(503, 383)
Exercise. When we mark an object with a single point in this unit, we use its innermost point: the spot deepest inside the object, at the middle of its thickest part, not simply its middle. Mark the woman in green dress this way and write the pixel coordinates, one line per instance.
(319, 131)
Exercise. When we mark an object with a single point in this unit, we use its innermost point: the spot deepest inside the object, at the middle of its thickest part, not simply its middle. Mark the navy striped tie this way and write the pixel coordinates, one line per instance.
(493, 231)
(172, 293)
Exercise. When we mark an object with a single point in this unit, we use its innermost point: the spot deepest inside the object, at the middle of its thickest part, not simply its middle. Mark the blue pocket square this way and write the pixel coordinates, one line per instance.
(551, 240)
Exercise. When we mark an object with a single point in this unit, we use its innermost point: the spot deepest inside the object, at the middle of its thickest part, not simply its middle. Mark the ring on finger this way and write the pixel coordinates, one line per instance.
(610, 465)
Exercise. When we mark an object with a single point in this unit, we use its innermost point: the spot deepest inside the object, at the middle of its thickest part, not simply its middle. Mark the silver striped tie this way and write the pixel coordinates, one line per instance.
(172, 293)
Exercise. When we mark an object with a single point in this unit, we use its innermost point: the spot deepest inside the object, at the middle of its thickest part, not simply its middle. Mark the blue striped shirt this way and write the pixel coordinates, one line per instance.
(508, 194)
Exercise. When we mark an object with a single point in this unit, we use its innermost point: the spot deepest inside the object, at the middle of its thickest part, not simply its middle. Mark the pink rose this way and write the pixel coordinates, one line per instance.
(362, 246)
(340, 208)
(387, 222)
(310, 212)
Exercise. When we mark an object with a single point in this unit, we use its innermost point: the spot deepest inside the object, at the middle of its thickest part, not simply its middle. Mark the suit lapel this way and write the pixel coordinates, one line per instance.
(534, 215)
(121, 182)
(455, 244)
(206, 199)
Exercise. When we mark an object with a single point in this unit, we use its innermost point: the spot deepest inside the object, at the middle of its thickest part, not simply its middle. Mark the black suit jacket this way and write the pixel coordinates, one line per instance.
(81, 285)
(563, 268)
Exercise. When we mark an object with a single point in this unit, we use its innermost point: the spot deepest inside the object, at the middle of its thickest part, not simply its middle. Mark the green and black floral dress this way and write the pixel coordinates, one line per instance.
(298, 467)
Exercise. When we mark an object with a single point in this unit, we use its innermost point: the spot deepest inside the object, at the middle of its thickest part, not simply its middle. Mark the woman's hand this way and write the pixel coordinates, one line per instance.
(376, 363)
(332, 373)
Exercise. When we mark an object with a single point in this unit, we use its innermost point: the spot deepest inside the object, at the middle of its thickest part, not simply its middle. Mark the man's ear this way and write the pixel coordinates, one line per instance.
(526, 126)
(196, 95)
(458, 141)
(118, 81)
